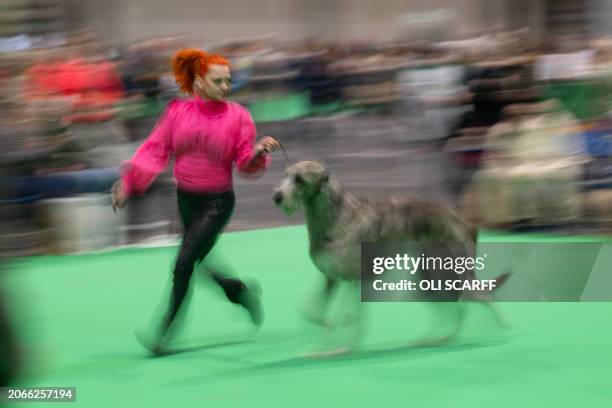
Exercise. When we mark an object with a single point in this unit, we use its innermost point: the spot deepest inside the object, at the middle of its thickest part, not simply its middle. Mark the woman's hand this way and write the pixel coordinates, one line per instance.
(119, 198)
(267, 144)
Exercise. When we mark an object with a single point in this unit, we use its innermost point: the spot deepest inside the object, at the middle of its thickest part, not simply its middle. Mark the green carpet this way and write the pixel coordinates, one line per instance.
(77, 314)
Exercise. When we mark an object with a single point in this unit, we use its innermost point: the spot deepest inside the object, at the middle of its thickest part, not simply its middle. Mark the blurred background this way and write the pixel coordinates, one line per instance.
(499, 108)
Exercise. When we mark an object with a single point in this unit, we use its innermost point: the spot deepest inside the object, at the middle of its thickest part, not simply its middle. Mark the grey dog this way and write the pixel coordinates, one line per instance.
(338, 222)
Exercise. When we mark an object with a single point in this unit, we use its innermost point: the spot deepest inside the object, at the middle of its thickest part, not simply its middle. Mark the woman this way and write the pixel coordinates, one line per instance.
(206, 135)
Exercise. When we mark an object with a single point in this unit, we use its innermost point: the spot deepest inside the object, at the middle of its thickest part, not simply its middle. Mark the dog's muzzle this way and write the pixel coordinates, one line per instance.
(278, 198)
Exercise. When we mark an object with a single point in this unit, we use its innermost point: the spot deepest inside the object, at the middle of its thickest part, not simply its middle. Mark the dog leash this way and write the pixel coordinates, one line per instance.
(284, 152)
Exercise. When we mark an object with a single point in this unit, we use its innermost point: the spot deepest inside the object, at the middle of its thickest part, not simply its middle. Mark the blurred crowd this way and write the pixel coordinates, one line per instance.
(527, 125)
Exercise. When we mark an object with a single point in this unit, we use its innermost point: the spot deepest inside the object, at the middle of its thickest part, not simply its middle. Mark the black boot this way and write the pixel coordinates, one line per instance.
(250, 299)
(153, 343)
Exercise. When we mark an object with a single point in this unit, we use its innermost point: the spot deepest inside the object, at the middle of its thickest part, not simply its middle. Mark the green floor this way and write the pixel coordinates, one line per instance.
(77, 315)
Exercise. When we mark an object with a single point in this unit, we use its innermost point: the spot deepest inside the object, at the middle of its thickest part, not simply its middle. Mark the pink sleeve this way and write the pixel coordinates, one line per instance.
(150, 158)
(245, 148)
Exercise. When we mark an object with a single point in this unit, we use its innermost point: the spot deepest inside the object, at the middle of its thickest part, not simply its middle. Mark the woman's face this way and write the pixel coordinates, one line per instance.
(216, 84)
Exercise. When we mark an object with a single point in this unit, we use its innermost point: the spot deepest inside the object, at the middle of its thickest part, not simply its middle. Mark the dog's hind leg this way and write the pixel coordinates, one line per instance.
(445, 311)
(486, 299)
(501, 319)
(499, 316)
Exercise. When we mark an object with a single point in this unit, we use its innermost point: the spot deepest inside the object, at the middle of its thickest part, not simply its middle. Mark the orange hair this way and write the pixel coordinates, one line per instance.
(188, 63)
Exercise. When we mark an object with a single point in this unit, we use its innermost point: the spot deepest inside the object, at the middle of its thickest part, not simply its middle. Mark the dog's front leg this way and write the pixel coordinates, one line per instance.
(347, 321)
(352, 316)
(316, 310)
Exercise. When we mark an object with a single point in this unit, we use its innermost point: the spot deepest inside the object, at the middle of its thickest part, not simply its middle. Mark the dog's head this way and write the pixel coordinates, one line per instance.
(303, 182)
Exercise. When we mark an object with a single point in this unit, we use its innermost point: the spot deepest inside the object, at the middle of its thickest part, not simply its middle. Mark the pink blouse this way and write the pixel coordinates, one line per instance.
(205, 138)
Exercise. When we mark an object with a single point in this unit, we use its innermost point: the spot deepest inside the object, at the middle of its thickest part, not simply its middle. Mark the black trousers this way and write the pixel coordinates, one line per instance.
(204, 217)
